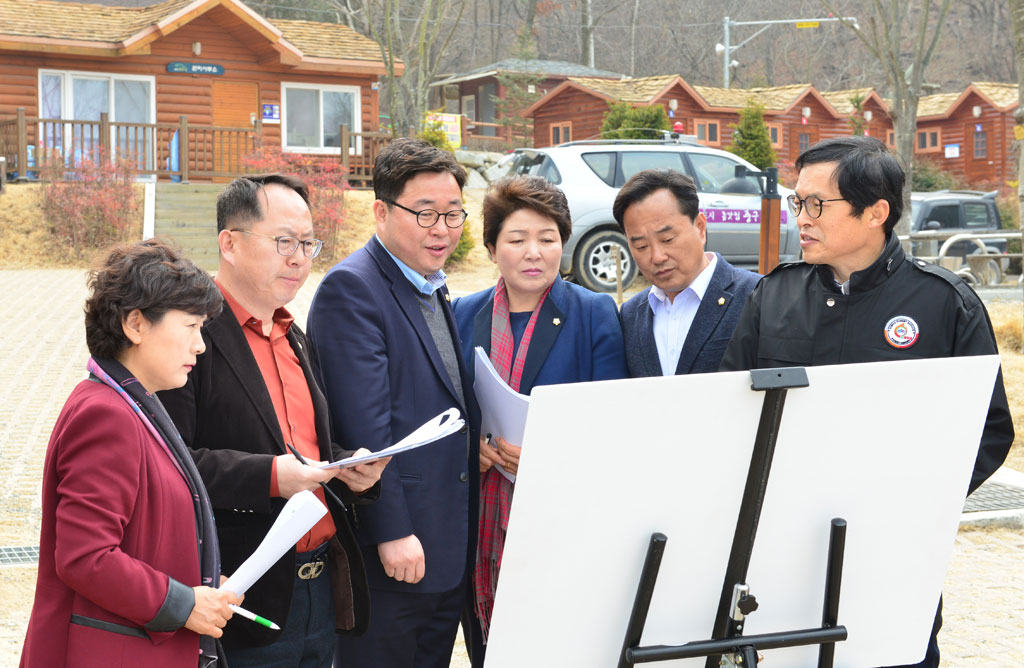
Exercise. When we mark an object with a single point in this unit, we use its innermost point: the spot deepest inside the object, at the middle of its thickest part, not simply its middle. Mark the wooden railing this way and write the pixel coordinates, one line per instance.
(179, 151)
(359, 165)
(504, 134)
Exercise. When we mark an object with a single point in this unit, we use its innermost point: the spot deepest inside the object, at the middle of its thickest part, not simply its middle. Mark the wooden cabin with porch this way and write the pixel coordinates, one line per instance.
(184, 88)
(477, 95)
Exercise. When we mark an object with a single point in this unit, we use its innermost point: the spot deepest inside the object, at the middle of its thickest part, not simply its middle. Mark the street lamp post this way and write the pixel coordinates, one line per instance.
(726, 50)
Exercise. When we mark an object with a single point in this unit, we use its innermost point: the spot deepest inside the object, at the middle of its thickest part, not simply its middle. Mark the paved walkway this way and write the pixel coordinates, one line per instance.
(43, 353)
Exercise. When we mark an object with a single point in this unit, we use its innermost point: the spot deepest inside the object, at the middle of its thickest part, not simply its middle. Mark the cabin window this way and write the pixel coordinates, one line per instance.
(312, 116)
(928, 140)
(803, 141)
(128, 101)
(561, 133)
(775, 134)
(707, 132)
(980, 144)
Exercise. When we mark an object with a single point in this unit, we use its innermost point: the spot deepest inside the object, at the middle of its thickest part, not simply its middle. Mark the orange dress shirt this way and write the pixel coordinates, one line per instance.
(293, 404)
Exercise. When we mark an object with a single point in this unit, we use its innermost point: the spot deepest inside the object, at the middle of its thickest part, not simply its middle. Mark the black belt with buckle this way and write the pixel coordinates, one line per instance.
(313, 568)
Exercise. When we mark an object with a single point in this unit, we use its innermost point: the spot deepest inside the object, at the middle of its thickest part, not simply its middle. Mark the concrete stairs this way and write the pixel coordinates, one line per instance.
(187, 213)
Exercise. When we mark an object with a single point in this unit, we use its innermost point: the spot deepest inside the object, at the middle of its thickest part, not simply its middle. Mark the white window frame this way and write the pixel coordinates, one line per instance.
(357, 118)
(67, 90)
(67, 104)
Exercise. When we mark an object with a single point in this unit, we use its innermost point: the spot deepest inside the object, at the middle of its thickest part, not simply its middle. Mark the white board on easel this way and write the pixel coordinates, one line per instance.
(888, 446)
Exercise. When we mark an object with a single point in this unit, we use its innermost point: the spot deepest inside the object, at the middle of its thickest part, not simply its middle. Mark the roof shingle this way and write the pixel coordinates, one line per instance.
(103, 23)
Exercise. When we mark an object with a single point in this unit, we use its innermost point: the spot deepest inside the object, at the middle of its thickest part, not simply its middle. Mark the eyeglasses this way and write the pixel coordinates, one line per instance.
(428, 217)
(288, 245)
(811, 203)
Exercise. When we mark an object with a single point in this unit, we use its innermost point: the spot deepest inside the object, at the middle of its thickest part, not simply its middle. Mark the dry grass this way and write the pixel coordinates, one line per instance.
(1007, 321)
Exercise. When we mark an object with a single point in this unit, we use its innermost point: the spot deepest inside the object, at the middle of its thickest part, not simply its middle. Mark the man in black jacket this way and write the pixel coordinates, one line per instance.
(249, 400)
(857, 297)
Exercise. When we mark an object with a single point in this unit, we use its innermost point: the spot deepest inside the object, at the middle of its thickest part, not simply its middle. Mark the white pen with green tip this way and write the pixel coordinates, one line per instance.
(254, 617)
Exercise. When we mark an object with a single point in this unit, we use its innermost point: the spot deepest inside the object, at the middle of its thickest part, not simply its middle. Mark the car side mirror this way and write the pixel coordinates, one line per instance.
(932, 225)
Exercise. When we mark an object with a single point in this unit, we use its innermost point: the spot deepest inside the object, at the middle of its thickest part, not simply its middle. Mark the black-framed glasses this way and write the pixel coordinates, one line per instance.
(427, 217)
(811, 203)
(288, 245)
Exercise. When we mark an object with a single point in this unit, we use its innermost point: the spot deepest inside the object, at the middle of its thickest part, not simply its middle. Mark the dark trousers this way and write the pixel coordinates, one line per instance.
(406, 631)
(931, 655)
(307, 638)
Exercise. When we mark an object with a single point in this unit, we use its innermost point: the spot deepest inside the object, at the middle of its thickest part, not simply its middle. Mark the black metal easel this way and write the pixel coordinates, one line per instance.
(728, 647)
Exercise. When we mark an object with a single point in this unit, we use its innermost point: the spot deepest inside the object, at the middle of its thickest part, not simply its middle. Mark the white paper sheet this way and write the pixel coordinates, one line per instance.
(445, 424)
(502, 409)
(298, 516)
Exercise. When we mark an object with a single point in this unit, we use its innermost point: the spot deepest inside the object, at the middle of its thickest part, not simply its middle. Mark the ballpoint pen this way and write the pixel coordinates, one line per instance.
(327, 490)
(254, 617)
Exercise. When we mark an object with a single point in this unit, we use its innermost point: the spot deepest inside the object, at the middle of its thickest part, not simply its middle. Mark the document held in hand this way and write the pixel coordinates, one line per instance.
(298, 516)
(445, 424)
(502, 409)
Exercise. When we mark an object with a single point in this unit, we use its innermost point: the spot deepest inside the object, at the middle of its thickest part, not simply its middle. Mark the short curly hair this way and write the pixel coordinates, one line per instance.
(512, 193)
(152, 276)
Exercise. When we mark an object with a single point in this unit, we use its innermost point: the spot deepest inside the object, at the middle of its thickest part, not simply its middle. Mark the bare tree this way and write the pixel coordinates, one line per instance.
(416, 33)
(904, 65)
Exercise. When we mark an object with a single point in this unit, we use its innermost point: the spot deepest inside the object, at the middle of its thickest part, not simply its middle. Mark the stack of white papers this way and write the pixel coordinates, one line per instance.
(445, 424)
(502, 409)
(298, 516)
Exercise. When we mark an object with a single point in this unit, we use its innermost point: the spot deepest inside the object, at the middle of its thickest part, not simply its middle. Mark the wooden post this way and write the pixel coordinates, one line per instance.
(22, 132)
(343, 142)
(3, 175)
(464, 129)
(183, 147)
(104, 138)
(771, 219)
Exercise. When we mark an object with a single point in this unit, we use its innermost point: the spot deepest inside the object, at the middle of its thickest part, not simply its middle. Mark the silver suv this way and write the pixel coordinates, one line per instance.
(590, 174)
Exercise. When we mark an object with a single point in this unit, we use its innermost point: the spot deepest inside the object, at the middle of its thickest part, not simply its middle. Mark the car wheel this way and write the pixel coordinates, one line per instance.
(594, 265)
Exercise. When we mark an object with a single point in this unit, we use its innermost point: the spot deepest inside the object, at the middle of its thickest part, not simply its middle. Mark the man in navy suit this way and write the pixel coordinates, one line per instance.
(381, 327)
(683, 323)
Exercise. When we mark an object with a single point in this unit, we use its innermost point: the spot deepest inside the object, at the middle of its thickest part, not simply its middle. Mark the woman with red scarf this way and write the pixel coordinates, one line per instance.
(128, 559)
(537, 330)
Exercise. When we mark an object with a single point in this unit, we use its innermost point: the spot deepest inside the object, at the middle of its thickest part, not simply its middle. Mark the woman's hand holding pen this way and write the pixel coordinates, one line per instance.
(504, 455)
(211, 612)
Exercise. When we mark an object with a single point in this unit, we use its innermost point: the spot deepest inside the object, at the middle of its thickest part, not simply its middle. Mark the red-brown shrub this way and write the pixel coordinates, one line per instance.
(91, 206)
(325, 178)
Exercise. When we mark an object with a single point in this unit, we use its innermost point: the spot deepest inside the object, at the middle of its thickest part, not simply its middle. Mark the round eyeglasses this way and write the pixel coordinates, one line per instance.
(288, 245)
(428, 217)
(811, 203)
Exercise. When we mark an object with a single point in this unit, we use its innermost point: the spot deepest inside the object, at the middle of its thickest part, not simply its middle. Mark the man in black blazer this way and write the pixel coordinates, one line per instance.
(246, 403)
(683, 323)
(388, 349)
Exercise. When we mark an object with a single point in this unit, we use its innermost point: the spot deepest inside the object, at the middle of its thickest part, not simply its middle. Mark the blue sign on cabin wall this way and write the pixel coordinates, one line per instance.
(195, 68)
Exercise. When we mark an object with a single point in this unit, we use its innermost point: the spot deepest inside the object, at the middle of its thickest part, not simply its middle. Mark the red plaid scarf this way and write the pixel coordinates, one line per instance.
(495, 489)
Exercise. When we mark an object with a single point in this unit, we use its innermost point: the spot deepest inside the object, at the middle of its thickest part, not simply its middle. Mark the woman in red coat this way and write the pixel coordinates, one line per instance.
(128, 550)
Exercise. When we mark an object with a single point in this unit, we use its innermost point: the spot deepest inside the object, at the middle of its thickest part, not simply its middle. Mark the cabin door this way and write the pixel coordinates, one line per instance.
(236, 106)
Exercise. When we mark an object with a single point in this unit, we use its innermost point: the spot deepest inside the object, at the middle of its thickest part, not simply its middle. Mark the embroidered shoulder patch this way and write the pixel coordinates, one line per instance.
(901, 331)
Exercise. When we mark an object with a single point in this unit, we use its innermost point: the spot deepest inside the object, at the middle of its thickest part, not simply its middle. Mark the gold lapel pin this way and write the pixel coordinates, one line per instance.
(556, 322)
(447, 297)
(721, 301)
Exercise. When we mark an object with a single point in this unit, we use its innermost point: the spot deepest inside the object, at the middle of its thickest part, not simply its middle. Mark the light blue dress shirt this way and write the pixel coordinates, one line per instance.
(424, 284)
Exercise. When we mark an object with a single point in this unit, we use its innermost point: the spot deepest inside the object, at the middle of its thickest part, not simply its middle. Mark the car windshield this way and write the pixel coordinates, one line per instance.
(915, 210)
(537, 164)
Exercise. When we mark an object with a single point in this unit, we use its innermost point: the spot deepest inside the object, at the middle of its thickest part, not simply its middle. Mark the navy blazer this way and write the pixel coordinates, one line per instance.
(383, 377)
(577, 337)
(712, 327)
